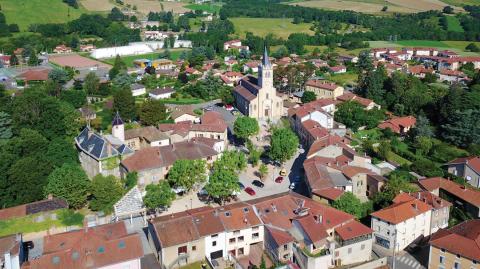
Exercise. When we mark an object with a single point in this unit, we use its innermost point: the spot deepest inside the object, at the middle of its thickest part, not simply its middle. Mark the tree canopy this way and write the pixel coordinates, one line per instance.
(158, 195)
(283, 144)
(70, 183)
(106, 191)
(187, 173)
(244, 127)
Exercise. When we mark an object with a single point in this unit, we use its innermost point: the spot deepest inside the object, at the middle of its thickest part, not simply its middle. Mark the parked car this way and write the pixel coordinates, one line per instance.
(283, 172)
(229, 107)
(292, 186)
(258, 183)
(250, 191)
(240, 184)
(279, 179)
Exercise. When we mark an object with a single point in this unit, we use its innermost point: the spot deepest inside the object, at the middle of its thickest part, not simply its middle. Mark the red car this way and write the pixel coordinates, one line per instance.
(279, 180)
(250, 191)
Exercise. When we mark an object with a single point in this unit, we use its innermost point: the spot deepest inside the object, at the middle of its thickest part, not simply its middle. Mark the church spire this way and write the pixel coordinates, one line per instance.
(266, 60)
(117, 120)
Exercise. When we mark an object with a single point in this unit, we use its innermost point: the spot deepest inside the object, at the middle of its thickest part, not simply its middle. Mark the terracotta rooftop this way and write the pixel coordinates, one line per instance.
(352, 230)
(321, 84)
(92, 247)
(280, 237)
(473, 162)
(149, 133)
(396, 124)
(402, 211)
(461, 192)
(35, 75)
(462, 239)
(348, 96)
(424, 196)
(331, 194)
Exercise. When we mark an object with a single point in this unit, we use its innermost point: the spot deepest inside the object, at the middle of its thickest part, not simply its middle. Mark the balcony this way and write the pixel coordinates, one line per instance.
(342, 243)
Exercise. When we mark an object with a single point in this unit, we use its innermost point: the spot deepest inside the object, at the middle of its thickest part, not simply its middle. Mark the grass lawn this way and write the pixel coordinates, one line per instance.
(151, 56)
(211, 8)
(461, 2)
(26, 12)
(28, 224)
(454, 24)
(372, 134)
(393, 157)
(344, 78)
(182, 101)
(264, 26)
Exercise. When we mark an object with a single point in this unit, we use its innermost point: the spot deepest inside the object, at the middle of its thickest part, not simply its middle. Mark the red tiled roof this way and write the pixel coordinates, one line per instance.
(400, 212)
(280, 237)
(238, 216)
(462, 239)
(32, 208)
(92, 247)
(348, 96)
(35, 75)
(317, 105)
(461, 192)
(396, 124)
(313, 226)
(424, 196)
(324, 142)
(351, 171)
(473, 162)
(352, 230)
(321, 84)
(331, 194)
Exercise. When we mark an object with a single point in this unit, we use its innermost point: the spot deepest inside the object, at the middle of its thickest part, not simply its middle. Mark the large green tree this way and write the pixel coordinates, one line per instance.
(283, 144)
(350, 204)
(124, 103)
(158, 195)
(106, 191)
(91, 83)
(70, 183)
(152, 112)
(462, 128)
(187, 173)
(308, 96)
(244, 127)
(5, 125)
(119, 66)
(222, 184)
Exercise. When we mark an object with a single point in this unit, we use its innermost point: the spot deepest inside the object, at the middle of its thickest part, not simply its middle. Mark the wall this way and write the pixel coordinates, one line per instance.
(306, 262)
(449, 260)
(170, 254)
(354, 253)
(89, 164)
(440, 218)
(220, 240)
(247, 239)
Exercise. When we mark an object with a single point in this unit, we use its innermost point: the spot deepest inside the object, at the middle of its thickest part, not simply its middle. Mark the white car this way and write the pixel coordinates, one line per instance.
(292, 186)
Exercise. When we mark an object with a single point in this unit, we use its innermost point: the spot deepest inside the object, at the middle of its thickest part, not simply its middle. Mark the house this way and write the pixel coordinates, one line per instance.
(138, 89)
(87, 113)
(347, 59)
(456, 62)
(34, 75)
(375, 184)
(319, 111)
(62, 49)
(367, 103)
(419, 71)
(192, 71)
(440, 207)
(339, 69)
(456, 247)
(251, 66)
(163, 64)
(103, 247)
(206, 232)
(398, 225)
(452, 76)
(309, 131)
(256, 97)
(87, 47)
(153, 163)
(164, 93)
(323, 89)
(12, 251)
(233, 76)
(467, 168)
(5, 60)
(183, 113)
(101, 154)
(234, 44)
(462, 197)
(44, 207)
(399, 125)
(144, 137)
(226, 81)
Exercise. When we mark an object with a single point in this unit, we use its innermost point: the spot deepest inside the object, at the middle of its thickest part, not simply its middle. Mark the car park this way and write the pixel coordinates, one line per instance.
(258, 183)
(250, 191)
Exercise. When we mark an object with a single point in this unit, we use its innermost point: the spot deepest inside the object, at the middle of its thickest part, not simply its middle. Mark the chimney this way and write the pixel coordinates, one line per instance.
(414, 205)
(245, 220)
(418, 195)
(318, 218)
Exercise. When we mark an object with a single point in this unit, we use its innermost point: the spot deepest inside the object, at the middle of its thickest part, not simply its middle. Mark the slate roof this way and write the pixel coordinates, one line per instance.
(98, 147)
(32, 208)
(117, 120)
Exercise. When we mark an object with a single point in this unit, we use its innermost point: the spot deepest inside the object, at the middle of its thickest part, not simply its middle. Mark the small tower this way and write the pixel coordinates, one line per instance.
(118, 128)
(265, 72)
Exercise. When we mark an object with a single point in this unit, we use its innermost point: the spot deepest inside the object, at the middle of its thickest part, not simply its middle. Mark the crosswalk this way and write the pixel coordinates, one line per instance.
(408, 261)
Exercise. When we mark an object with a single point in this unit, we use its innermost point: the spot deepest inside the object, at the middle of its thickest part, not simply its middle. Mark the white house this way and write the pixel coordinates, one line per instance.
(397, 226)
(138, 89)
(161, 93)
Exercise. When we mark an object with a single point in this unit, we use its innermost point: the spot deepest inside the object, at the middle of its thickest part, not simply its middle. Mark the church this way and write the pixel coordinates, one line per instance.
(256, 97)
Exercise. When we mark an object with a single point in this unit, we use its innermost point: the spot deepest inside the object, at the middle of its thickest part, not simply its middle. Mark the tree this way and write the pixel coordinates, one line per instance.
(131, 180)
(472, 47)
(123, 81)
(70, 183)
(119, 66)
(60, 151)
(392, 188)
(262, 171)
(124, 103)
(422, 127)
(152, 112)
(33, 58)
(222, 184)
(158, 195)
(58, 76)
(91, 83)
(423, 145)
(76, 98)
(106, 191)
(187, 173)
(254, 153)
(244, 127)
(384, 150)
(462, 128)
(234, 161)
(350, 204)
(13, 59)
(283, 144)
(5, 126)
(308, 96)
(448, 10)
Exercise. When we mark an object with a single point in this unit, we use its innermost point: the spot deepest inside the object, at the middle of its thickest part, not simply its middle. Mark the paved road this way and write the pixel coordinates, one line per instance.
(405, 261)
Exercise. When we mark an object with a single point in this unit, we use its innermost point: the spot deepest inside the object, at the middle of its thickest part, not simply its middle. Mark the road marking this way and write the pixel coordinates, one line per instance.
(410, 262)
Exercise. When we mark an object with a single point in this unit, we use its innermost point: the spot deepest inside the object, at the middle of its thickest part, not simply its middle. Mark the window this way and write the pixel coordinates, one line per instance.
(240, 238)
(255, 228)
(236, 232)
(214, 243)
(456, 265)
(182, 250)
(214, 235)
(255, 235)
(194, 248)
(285, 247)
(267, 95)
(232, 240)
(442, 260)
(240, 251)
(458, 256)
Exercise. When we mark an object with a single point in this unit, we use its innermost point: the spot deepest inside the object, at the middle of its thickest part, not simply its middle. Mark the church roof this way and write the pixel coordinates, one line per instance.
(117, 120)
(266, 60)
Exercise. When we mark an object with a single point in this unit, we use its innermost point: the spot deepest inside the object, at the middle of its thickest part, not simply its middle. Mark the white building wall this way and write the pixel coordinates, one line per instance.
(248, 239)
(123, 50)
(160, 143)
(220, 244)
(321, 118)
(354, 253)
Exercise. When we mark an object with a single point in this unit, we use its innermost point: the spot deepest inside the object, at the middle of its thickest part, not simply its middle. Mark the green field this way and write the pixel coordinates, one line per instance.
(457, 46)
(151, 56)
(26, 12)
(454, 24)
(264, 26)
(461, 2)
(211, 8)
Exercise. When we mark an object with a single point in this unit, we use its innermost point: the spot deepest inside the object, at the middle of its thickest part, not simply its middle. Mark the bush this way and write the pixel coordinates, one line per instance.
(70, 218)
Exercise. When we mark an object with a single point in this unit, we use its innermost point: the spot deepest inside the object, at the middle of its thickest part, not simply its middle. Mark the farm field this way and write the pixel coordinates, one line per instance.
(375, 6)
(461, 2)
(38, 11)
(262, 27)
(151, 56)
(211, 8)
(457, 46)
(97, 5)
(454, 24)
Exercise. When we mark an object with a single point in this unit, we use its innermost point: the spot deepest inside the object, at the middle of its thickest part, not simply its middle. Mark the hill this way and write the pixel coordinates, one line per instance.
(26, 12)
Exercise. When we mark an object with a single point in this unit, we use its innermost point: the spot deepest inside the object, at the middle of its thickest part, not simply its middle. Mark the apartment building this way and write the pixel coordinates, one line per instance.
(324, 89)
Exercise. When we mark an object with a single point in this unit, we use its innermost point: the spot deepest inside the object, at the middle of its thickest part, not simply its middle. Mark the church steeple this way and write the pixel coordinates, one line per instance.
(118, 127)
(265, 72)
